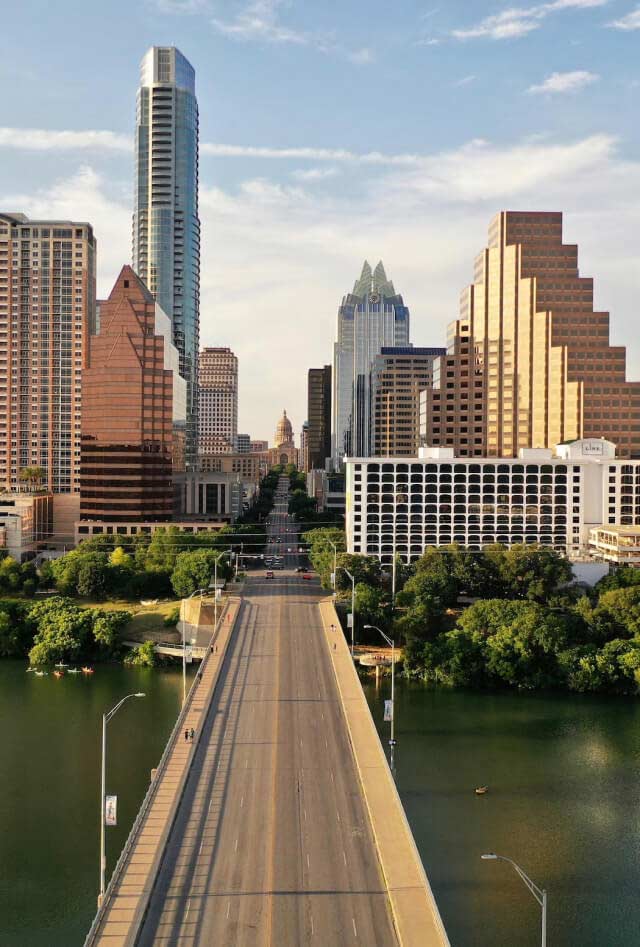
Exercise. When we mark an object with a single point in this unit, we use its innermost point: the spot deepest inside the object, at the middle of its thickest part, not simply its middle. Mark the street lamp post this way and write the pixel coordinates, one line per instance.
(539, 893)
(103, 794)
(392, 741)
(353, 606)
(215, 590)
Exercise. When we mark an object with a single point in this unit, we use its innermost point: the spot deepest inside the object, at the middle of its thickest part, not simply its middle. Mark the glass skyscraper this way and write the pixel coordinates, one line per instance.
(370, 317)
(166, 226)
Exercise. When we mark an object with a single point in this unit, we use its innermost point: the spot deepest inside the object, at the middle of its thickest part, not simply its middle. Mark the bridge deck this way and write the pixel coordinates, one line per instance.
(272, 843)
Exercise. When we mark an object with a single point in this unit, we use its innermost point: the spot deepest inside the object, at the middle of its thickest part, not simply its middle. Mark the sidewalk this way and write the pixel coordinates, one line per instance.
(126, 903)
(417, 919)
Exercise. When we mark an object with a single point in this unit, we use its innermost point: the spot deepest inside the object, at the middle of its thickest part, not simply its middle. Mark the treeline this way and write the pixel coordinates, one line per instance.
(304, 508)
(58, 629)
(169, 562)
(498, 618)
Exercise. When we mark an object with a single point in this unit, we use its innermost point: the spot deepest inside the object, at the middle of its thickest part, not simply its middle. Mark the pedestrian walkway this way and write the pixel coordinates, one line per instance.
(416, 916)
(134, 877)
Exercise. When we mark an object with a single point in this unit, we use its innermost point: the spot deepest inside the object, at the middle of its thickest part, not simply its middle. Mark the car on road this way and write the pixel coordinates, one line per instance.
(269, 574)
(301, 569)
(307, 576)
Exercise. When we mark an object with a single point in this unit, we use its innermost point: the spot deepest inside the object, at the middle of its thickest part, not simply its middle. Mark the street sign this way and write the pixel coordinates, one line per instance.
(188, 654)
(110, 810)
(388, 711)
(350, 620)
(333, 579)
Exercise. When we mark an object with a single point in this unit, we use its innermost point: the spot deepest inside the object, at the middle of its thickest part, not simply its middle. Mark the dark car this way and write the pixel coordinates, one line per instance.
(301, 569)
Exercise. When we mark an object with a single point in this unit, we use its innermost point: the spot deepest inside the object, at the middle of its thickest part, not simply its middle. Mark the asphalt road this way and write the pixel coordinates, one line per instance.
(272, 844)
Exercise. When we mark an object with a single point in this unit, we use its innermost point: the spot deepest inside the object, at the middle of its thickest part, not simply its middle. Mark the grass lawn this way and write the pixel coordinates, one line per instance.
(147, 623)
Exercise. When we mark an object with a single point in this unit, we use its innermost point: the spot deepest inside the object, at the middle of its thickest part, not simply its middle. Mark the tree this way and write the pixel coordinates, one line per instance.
(534, 572)
(426, 596)
(321, 544)
(33, 476)
(192, 571)
(622, 606)
(92, 578)
(121, 559)
(143, 655)
(107, 626)
(10, 575)
(63, 629)
(622, 578)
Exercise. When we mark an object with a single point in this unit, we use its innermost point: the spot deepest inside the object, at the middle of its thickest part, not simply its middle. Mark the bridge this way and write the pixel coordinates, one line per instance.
(280, 824)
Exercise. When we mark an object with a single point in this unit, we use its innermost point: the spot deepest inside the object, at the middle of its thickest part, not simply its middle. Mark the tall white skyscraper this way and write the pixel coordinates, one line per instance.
(218, 405)
(166, 227)
(370, 317)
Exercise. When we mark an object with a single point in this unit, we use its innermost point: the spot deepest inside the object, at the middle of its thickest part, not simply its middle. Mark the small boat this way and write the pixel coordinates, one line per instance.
(61, 665)
(480, 790)
(58, 673)
(87, 670)
(74, 671)
(41, 674)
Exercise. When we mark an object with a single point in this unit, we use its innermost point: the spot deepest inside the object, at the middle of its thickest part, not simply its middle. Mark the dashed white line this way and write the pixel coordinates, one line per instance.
(242, 802)
(344, 856)
(186, 914)
(236, 846)
(355, 929)
(305, 814)
(228, 907)
(200, 849)
(311, 919)
(338, 814)
(332, 779)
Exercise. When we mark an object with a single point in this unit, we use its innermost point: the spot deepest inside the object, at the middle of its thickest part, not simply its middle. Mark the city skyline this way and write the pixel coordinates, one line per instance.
(298, 197)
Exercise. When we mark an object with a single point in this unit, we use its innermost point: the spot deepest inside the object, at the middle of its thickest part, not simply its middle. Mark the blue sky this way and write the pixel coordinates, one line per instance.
(335, 131)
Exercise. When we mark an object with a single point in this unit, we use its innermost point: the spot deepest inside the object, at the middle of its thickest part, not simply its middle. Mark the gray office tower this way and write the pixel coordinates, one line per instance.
(166, 226)
(370, 317)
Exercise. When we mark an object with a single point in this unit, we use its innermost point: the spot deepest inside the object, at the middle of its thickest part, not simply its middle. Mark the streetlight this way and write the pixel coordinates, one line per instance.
(539, 894)
(390, 641)
(215, 590)
(103, 852)
(353, 605)
(199, 592)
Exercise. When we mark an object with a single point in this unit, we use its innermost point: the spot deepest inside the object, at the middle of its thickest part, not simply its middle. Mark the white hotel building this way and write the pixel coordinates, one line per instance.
(402, 505)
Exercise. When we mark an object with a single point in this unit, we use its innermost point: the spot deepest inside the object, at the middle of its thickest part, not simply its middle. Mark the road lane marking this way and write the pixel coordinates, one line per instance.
(242, 802)
(311, 919)
(200, 849)
(236, 846)
(308, 862)
(338, 814)
(332, 779)
(305, 814)
(228, 907)
(344, 856)
(355, 929)
(187, 911)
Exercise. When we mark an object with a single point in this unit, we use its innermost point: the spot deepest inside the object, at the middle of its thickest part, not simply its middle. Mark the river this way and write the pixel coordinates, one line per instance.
(50, 733)
(564, 787)
(562, 771)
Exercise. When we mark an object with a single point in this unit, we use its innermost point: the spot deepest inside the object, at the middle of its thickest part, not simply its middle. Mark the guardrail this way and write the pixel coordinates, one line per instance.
(175, 734)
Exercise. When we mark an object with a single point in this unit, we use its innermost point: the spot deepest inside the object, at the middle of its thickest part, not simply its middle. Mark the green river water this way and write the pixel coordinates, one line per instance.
(564, 788)
(563, 801)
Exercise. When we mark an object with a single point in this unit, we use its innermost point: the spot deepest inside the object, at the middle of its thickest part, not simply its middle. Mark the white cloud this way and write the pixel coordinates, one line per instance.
(518, 21)
(361, 57)
(311, 154)
(277, 259)
(259, 20)
(43, 139)
(559, 82)
(631, 21)
(466, 80)
(314, 174)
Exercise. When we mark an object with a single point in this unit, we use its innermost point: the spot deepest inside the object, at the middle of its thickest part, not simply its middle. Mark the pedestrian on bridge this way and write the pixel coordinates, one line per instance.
(191, 735)
(186, 736)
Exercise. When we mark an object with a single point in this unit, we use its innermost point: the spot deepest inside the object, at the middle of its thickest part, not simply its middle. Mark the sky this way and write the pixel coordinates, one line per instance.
(333, 132)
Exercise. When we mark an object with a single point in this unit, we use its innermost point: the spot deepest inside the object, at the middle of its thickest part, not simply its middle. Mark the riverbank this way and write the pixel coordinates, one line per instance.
(563, 783)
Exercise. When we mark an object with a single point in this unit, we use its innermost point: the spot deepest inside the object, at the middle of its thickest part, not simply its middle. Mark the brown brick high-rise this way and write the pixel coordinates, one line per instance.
(540, 352)
(127, 417)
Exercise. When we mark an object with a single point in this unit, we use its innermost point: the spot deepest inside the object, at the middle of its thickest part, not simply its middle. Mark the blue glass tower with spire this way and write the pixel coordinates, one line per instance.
(166, 226)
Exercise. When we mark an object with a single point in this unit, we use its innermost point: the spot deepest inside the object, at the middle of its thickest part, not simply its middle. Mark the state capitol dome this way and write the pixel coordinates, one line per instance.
(284, 431)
